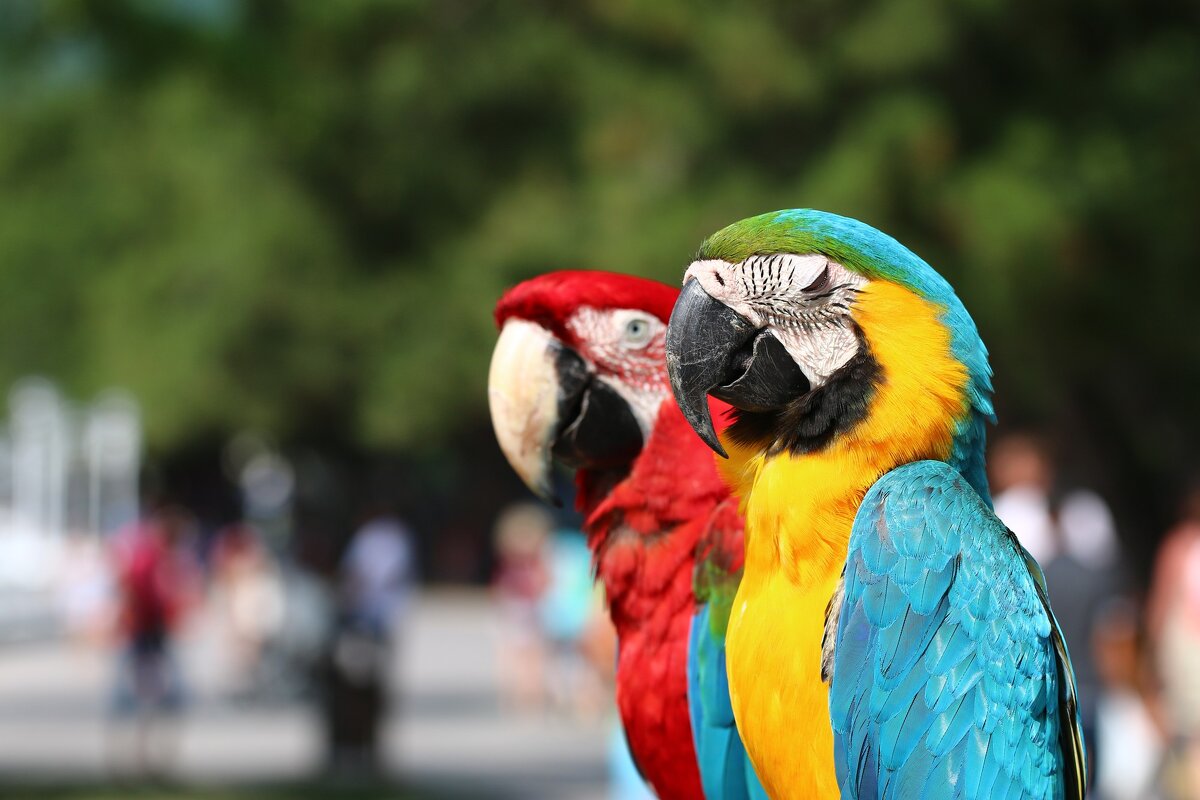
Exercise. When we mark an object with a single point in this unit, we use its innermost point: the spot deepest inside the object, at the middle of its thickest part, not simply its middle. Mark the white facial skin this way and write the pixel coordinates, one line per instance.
(803, 300)
(627, 348)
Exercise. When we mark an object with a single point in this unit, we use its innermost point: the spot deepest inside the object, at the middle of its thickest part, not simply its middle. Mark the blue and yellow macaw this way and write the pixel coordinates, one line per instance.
(890, 637)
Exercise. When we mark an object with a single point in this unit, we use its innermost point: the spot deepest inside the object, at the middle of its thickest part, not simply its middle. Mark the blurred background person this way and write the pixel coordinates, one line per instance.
(378, 574)
(1174, 629)
(248, 588)
(1127, 730)
(375, 577)
(1022, 478)
(156, 586)
(523, 574)
(1084, 574)
(565, 610)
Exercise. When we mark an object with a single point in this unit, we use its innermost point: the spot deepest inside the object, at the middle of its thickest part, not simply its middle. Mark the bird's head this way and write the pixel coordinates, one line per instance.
(578, 374)
(815, 326)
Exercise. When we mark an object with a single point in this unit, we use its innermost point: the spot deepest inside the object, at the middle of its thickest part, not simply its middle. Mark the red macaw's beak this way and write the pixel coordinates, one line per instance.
(547, 405)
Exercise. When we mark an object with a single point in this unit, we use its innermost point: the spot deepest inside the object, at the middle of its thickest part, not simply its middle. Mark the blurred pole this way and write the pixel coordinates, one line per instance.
(6, 484)
(40, 452)
(112, 445)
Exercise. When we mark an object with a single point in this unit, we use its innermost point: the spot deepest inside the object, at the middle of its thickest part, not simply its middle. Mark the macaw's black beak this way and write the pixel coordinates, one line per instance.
(547, 405)
(711, 349)
(596, 427)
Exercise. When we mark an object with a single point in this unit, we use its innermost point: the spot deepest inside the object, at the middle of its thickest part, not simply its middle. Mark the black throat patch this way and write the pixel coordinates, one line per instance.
(811, 421)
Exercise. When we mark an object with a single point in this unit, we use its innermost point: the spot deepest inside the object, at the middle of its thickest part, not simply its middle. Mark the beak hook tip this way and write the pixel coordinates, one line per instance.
(713, 441)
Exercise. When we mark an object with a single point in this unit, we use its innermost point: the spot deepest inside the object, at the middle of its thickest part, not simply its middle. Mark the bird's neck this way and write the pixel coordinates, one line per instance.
(643, 531)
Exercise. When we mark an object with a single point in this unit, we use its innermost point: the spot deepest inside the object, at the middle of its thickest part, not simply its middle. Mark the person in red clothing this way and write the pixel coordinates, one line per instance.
(152, 580)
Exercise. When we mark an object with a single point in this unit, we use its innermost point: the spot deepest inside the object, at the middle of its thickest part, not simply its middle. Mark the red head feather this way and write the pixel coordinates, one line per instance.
(549, 300)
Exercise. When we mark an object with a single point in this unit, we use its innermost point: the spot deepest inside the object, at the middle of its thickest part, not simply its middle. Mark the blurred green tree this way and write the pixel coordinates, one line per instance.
(297, 216)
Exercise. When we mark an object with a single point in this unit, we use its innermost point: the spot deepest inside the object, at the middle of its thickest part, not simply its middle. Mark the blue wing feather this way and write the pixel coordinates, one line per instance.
(949, 678)
(725, 769)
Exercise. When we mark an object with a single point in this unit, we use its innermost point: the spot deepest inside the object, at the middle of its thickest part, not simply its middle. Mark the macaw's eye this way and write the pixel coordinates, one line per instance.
(637, 331)
(820, 283)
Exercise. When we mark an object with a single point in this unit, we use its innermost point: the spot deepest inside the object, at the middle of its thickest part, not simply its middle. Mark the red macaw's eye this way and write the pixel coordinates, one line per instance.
(820, 283)
(637, 331)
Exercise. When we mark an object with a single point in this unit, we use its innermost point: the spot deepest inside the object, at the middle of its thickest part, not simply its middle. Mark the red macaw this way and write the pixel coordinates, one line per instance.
(579, 376)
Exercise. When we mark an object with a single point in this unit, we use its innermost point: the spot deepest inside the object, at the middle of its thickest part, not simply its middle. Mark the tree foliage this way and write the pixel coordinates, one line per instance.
(297, 216)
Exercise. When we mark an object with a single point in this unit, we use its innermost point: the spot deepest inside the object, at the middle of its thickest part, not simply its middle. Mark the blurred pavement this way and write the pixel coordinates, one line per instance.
(450, 734)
